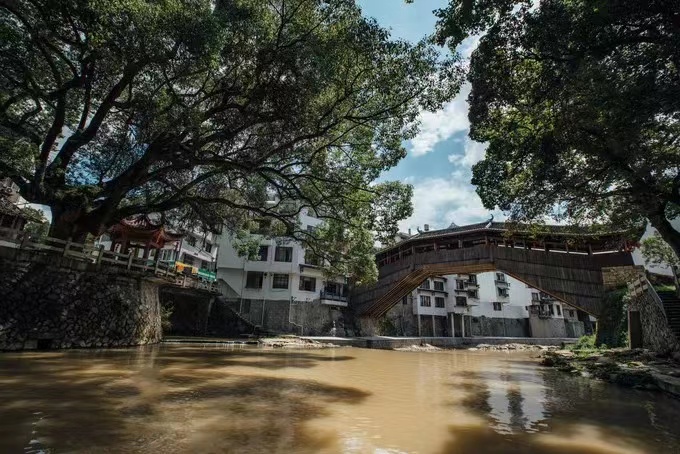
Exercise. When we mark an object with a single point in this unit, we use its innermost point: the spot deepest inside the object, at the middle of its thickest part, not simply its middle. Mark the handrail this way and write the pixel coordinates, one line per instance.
(24, 240)
(642, 285)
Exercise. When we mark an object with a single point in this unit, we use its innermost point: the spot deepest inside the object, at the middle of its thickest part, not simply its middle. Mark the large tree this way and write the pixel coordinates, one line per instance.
(209, 110)
(579, 101)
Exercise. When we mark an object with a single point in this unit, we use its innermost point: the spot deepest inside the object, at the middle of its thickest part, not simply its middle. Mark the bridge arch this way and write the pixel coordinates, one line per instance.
(566, 265)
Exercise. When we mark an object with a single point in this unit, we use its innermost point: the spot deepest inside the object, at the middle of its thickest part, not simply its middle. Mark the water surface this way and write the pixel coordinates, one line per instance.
(194, 399)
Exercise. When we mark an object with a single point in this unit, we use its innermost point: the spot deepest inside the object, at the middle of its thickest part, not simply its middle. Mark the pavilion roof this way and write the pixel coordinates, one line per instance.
(141, 228)
(595, 233)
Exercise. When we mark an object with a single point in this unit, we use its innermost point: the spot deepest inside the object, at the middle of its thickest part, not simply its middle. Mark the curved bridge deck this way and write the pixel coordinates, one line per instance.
(574, 277)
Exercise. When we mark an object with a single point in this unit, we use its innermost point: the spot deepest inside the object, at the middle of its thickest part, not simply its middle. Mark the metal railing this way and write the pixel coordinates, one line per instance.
(332, 296)
(98, 256)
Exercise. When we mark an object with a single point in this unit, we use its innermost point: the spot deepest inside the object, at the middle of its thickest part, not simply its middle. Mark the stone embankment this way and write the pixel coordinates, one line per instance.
(43, 306)
(638, 368)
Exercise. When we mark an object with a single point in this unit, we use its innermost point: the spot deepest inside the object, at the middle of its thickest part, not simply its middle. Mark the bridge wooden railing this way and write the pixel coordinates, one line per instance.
(98, 256)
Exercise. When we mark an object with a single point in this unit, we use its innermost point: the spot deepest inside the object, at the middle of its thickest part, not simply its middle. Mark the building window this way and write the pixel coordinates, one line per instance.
(497, 306)
(425, 285)
(500, 277)
(473, 294)
(280, 281)
(439, 285)
(572, 314)
(187, 259)
(263, 254)
(254, 279)
(283, 254)
(311, 229)
(204, 264)
(439, 301)
(460, 285)
(559, 309)
(191, 240)
(502, 291)
(208, 247)
(308, 284)
(404, 300)
(336, 288)
(425, 301)
(535, 296)
(461, 301)
(552, 309)
(472, 279)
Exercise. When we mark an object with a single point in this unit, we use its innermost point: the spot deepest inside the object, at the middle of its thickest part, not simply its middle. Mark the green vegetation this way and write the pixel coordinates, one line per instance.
(612, 324)
(204, 111)
(573, 131)
(585, 343)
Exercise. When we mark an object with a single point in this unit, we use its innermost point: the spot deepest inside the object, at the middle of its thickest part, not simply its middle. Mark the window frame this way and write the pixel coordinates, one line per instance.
(263, 257)
(423, 300)
(437, 300)
(497, 306)
(304, 279)
(283, 248)
(274, 281)
(254, 273)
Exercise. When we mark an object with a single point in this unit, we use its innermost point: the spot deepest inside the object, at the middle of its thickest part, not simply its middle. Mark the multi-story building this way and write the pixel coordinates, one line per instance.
(486, 304)
(284, 288)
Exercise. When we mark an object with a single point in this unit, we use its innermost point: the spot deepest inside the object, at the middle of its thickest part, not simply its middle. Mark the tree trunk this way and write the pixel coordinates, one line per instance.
(672, 237)
(67, 224)
(667, 232)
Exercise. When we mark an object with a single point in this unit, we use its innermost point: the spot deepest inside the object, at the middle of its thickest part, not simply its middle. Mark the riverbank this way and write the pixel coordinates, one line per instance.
(388, 343)
(637, 368)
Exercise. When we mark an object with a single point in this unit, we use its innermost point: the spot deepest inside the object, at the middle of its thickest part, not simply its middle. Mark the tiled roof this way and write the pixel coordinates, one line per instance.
(491, 226)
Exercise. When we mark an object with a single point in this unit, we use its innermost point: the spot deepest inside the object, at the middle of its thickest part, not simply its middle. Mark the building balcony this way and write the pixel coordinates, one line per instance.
(471, 284)
(545, 297)
(502, 283)
(333, 299)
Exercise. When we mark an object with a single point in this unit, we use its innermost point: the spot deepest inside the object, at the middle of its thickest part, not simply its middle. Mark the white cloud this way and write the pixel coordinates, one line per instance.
(468, 46)
(438, 126)
(473, 153)
(441, 201)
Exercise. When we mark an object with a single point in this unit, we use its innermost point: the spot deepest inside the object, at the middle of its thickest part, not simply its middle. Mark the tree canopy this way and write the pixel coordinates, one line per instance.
(579, 102)
(207, 111)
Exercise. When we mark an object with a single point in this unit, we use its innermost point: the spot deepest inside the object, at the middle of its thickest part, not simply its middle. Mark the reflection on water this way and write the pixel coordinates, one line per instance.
(214, 400)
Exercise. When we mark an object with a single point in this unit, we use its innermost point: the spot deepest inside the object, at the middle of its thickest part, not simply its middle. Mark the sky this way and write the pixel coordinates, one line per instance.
(441, 156)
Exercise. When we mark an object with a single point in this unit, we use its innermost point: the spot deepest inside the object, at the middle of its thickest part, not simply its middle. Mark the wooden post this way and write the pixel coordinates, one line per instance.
(67, 247)
(24, 239)
(100, 255)
(129, 262)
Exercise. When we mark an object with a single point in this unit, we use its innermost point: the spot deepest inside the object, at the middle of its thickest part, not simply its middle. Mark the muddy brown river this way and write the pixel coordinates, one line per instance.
(195, 399)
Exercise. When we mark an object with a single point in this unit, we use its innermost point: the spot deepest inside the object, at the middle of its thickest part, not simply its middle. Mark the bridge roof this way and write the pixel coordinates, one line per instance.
(595, 236)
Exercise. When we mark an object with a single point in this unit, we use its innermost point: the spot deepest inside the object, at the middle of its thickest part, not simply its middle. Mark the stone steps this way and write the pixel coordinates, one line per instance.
(671, 305)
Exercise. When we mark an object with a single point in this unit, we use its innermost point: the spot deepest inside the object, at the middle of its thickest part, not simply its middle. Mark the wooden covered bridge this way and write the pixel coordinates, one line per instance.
(562, 262)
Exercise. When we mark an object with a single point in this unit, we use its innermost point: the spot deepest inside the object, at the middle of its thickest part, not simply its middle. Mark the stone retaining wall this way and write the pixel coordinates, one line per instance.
(656, 334)
(48, 304)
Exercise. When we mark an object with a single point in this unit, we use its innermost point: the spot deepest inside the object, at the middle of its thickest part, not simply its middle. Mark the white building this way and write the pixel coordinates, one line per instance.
(284, 288)
(489, 304)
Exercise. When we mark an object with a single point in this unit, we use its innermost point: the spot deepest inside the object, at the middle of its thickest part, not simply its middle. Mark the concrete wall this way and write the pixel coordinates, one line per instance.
(55, 303)
(574, 328)
(311, 318)
(499, 327)
(547, 327)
